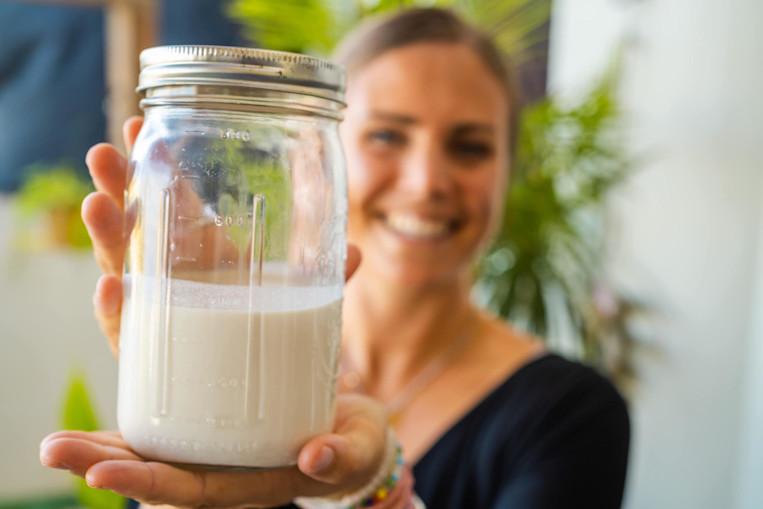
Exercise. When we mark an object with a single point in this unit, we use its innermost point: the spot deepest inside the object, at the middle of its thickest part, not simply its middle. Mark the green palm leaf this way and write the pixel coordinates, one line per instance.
(301, 26)
(514, 24)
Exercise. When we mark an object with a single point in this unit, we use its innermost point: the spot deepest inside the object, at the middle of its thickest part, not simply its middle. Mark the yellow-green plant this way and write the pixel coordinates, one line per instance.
(48, 204)
(78, 414)
(315, 26)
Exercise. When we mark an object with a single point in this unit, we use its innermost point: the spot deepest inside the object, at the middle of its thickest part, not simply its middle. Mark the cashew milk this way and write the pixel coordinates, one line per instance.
(227, 375)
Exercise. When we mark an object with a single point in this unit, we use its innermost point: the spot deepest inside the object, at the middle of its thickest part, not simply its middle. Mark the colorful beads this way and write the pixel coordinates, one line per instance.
(388, 484)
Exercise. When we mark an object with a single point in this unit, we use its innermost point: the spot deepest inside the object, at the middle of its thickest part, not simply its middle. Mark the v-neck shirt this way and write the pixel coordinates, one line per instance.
(554, 434)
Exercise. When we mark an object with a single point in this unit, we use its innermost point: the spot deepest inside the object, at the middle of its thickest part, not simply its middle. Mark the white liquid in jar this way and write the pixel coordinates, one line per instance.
(205, 381)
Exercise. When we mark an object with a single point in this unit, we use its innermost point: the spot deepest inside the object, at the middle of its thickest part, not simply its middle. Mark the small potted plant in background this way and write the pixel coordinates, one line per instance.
(48, 208)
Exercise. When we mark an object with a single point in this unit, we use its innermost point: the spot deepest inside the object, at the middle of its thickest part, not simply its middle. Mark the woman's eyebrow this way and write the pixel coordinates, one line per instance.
(472, 127)
(393, 117)
(462, 128)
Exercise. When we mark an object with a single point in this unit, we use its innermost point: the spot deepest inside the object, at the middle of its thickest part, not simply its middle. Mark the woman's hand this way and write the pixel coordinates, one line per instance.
(329, 464)
(103, 215)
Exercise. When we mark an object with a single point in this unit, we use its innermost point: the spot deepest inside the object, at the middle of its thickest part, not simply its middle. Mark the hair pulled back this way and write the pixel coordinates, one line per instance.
(378, 35)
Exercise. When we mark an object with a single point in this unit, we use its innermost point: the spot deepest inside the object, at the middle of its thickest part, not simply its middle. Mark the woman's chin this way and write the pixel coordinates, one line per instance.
(416, 275)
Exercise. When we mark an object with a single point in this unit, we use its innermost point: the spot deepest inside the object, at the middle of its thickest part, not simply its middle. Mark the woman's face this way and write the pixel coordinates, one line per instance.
(425, 136)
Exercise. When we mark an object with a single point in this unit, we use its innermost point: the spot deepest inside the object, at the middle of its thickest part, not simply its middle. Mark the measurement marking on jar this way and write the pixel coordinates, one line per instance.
(195, 132)
(186, 259)
(234, 134)
(191, 177)
(230, 220)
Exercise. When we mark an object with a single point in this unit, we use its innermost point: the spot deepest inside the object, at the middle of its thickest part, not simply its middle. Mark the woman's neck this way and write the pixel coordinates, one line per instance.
(392, 331)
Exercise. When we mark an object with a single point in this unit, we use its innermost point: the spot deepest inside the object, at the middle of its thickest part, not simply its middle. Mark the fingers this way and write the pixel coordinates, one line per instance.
(152, 482)
(107, 303)
(79, 454)
(105, 223)
(108, 169)
(130, 130)
(112, 438)
(160, 483)
(353, 261)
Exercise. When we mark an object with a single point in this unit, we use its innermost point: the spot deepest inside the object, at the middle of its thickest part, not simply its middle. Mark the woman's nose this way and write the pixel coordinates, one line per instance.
(425, 172)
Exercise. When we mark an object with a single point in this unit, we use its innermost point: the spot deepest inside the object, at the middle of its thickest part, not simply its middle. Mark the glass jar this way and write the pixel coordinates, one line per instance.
(235, 217)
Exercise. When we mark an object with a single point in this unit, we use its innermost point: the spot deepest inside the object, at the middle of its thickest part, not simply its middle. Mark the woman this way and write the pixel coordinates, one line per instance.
(485, 416)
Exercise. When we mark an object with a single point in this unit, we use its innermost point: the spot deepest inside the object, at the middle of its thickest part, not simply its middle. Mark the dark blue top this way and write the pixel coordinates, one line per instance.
(555, 435)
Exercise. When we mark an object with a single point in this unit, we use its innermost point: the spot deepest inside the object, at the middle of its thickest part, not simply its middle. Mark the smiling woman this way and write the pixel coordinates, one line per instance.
(426, 171)
(486, 417)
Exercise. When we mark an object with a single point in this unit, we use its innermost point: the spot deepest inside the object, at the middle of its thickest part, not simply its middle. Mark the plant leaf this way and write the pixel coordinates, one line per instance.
(78, 413)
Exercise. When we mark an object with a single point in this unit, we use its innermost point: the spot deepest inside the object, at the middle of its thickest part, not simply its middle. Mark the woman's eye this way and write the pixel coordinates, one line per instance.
(472, 149)
(385, 137)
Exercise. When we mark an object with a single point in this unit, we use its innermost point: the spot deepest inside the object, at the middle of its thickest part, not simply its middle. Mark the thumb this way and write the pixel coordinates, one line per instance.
(352, 455)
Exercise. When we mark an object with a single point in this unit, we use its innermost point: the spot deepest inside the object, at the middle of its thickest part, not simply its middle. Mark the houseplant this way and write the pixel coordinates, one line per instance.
(47, 206)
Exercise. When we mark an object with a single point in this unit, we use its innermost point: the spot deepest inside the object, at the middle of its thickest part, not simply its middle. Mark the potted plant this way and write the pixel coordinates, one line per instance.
(48, 206)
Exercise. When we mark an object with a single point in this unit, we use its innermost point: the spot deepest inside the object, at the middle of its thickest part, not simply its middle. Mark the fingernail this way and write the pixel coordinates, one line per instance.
(47, 461)
(324, 459)
(93, 484)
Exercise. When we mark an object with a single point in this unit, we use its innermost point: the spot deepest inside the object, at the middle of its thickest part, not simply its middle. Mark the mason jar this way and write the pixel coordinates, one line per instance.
(236, 215)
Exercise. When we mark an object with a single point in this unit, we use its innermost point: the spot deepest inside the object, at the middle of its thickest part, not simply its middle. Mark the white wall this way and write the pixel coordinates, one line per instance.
(46, 330)
(750, 485)
(689, 226)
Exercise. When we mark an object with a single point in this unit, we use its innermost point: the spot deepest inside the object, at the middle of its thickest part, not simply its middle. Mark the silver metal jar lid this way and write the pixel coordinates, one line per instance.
(240, 67)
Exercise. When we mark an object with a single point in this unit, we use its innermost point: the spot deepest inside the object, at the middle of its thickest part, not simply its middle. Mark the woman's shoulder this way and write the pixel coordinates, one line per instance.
(543, 425)
(546, 379)
(545, 394)
(550, 390)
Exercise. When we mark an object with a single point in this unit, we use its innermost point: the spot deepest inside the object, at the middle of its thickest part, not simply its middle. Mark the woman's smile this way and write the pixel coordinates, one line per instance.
(418, 228)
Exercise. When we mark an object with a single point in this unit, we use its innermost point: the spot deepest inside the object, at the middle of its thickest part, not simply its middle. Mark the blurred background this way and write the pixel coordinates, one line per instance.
(633, 237)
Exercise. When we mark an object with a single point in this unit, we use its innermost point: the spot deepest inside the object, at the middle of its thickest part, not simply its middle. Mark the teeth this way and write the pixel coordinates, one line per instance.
(417, 227)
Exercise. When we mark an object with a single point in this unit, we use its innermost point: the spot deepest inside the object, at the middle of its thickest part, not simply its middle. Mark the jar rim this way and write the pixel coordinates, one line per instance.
(241, 67)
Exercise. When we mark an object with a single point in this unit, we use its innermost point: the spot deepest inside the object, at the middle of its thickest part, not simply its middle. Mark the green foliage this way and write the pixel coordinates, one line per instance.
(54, 194)
(50, 188)
(513, 24)
(78, 414)
(547, 258)
(289, 25)
(316, 26)
(262, 174)
(48, 502)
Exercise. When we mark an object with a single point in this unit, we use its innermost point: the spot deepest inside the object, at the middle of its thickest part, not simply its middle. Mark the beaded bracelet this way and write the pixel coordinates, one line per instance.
(376, 491)
(380, 493)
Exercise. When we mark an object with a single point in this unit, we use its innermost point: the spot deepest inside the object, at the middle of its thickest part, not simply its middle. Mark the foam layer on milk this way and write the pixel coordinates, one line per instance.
(273, 295)
(206, 381)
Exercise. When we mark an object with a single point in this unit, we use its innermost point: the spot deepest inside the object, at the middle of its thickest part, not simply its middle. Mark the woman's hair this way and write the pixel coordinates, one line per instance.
(381, 34)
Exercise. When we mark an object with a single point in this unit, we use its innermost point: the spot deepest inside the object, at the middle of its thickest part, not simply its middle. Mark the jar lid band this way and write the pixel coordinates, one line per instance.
(241, 67)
